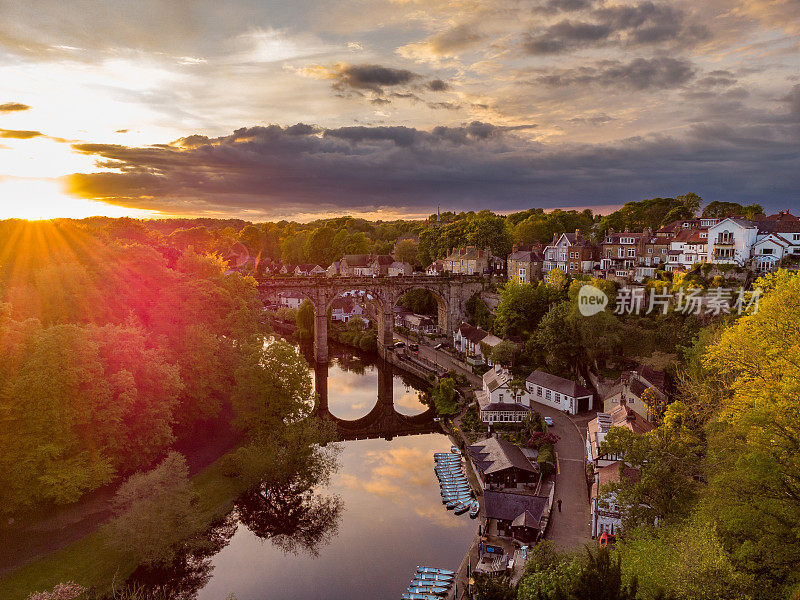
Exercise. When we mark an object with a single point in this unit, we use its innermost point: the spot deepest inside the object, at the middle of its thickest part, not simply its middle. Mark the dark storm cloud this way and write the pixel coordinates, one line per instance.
(373, 77)
(437, 85)
(16, 134)
(475, 165)
(646, 23)
(13, 106)
(638, 74)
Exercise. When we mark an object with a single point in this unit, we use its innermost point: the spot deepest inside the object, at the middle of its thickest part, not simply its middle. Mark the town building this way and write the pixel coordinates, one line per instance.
(291, 300)
(606, 513)
(380, 265)
(731, 240)
(398, 269)
(435, 268)
(356, 265)
(525, 266)
(621, 252)
(334, 270)
(469, 261)
(345, 308)
(570, 252)
(557, 392)
(518, 516)
(498, 400)
(419, 324)
(500, 464)
(471, 342)
(631, 385)
(620, 416)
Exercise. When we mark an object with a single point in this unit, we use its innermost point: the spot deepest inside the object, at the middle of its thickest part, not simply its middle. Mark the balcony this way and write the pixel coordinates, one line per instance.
(727, 242)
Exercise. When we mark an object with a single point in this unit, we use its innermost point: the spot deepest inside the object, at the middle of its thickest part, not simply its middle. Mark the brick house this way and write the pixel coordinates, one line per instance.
(570, 252)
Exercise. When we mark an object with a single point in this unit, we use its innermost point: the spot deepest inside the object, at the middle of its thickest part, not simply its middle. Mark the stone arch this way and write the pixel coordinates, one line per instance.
(443, 309)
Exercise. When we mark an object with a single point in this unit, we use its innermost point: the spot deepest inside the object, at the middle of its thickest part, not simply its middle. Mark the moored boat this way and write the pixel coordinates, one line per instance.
(410, 596)
(455, 450)
(435, 570)
(463, 507)
(474, 509)
(433, 577)
(438, 591)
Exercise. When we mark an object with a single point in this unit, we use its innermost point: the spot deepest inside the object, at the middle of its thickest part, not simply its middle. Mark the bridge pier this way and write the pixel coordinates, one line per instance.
(320, 335)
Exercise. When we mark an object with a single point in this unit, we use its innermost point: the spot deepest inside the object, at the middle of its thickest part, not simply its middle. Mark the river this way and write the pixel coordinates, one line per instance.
(390, 520)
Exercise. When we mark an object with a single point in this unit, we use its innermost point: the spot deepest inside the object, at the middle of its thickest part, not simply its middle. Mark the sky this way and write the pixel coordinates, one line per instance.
(389, 108)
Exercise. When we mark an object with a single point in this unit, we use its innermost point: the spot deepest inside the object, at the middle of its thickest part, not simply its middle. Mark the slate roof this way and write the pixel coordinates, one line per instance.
(505, 406)
(558, 384)
(526, 256)
(520, 509)
(473, 334)
(493, 379)
(494, 454)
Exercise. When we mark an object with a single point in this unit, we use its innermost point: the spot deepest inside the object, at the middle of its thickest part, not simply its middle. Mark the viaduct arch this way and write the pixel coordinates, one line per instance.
(452, 294)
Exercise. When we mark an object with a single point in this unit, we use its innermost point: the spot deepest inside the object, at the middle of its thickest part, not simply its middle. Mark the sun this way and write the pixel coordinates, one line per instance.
(37, 199)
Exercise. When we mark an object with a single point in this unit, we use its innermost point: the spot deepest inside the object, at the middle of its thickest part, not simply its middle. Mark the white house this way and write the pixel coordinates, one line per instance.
(345, 308)
(334, 269)
(435, 268)
(557, 392)
(498, 401)
(291, 300)
(688, 248)
(731, 241)
(470, 341)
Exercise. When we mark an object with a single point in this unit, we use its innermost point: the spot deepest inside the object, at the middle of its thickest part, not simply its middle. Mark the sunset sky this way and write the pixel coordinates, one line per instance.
(386, 108)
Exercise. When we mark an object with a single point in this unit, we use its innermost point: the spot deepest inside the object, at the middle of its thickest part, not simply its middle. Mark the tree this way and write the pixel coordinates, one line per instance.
(503, 353)
(478, 312)
(493, 588)
(522, 306)
(273, 388)
(305, 321)
(407, 251)
(154, 512)
(444, 396)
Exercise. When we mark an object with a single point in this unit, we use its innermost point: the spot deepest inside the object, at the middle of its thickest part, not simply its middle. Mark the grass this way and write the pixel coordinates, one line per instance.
(90, 563)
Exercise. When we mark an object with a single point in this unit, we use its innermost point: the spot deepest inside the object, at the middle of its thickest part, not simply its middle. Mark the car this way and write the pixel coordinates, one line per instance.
(437, 419)
(549, 421)
(438, 346)
(399, 344)
(413, 347)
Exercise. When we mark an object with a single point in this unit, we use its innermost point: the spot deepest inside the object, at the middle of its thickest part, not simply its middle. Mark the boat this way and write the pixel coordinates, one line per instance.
(410, 596)
(474, 509)
(435, 570)
(452, 458)
(453, 503)
(442, 455)
(439, 591)
(456, 488)
(440, 583)
(433, 577)
(463, 507)
(455, 450)
(420, 586)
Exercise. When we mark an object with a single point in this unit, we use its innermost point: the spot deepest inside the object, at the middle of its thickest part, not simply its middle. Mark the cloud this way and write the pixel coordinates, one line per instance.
(371, 77)
(271, 172)
(16, 134)
(792, 100)
(645, 23)
(13, 106)
(446, 43)
(638, 74)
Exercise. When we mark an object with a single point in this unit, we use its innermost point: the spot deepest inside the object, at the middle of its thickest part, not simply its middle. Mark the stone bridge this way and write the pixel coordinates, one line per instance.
(451, 293)
(383, 421)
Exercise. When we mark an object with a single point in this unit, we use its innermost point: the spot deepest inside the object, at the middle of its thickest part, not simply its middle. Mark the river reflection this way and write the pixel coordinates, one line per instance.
(361, 535)
(392, 521)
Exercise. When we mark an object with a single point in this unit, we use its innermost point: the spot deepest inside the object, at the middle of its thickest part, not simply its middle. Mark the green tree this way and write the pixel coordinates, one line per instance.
(154, 512)
(444, 396)
(407, 251)
(504, 353)
(305, 321)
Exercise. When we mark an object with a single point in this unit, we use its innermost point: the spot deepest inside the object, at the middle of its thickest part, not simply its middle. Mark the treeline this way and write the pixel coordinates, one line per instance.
(112, 350)
(418, 242)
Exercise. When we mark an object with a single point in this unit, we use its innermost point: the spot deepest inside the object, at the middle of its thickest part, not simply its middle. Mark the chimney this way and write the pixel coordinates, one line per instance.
(555, 237)
(577, 234)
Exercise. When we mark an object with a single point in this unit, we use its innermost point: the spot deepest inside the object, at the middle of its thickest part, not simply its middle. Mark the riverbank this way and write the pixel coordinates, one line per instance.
(89, 562)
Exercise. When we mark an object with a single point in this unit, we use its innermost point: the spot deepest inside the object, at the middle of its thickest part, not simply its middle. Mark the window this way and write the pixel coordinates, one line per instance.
(608, 253)
(547, 394)
(631, 251)
(538, 391)
(766, 251)
(621, 253)
(649, 250)
(663, 251)
(558, 397)
(796, 237)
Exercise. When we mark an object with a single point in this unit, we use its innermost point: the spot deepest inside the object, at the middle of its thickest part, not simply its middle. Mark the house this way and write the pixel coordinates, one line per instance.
(570, 252)
(621, 252)
(557, 392)
(471, 341)
(400, 314)
(469, 261)
(501, 464)
(631, 385)
(355, 265)
(344, 308)
(287, 269)
(435, 268)
(419, 324)
(687, 248)
(606, 514)
(306, 270)
(525, 266)
(379, 265)
(620, 416)
(334, 270)
(778, 238)
(291, 300)
(397, 269)
(731, 241)
(498, 401)
(518, 516)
